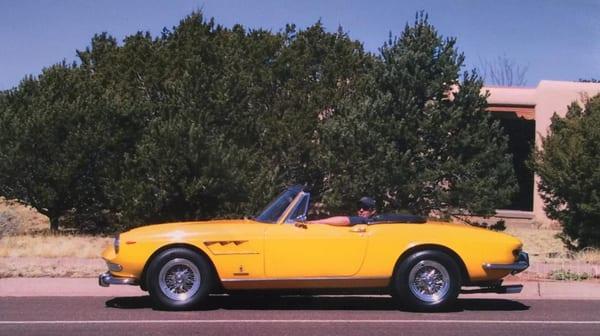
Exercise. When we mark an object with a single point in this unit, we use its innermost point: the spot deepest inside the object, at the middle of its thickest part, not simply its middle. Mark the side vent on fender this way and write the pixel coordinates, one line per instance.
(220, 247)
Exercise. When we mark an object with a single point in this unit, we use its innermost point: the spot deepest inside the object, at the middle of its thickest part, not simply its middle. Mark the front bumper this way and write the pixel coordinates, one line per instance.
(107, 279)
(520, 265)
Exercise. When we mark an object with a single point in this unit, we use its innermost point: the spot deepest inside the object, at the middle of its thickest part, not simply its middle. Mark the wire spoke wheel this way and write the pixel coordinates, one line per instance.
(179, 279)
(429, 281)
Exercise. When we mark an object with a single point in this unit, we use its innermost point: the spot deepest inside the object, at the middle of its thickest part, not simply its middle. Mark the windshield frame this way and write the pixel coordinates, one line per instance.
(298, 204)
(274, 211)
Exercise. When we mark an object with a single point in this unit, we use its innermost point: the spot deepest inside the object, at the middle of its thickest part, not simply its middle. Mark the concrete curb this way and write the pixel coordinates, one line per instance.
(24, 287)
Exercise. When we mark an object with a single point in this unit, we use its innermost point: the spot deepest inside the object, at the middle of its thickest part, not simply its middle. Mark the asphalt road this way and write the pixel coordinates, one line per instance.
(259, 315)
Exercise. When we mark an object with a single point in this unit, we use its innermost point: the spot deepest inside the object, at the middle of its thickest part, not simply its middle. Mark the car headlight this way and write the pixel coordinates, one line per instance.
(117, 243)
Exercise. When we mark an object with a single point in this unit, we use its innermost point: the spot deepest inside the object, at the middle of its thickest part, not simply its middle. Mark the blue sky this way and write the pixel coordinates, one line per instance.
(555, 39)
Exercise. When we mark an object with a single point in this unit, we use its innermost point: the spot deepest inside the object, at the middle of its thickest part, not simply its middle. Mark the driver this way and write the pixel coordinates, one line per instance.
(366, 210)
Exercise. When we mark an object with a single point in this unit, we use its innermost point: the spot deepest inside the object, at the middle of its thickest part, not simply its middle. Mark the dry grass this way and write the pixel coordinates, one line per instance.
(36, 267)
(53, 246)
(27, 249)
(591, 256)
(543, 246)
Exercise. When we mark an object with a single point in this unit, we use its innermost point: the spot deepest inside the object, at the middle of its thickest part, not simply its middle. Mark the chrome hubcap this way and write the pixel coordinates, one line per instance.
(429, 281)
(179, 279)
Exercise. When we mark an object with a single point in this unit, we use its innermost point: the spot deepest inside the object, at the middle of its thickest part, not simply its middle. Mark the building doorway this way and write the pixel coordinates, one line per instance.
(520, 130)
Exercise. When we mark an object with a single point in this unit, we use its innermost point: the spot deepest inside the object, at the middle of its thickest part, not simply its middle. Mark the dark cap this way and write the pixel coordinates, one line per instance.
(367, 203)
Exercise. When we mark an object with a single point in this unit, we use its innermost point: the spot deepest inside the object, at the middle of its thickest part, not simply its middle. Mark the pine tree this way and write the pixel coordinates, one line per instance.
(568, 165)
(419, 137)
(57, 144)
(206, 121)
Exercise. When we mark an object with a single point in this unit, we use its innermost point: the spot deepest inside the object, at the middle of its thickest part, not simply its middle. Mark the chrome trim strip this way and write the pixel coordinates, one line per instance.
(107, 279)
(520, 265)
(304, 279)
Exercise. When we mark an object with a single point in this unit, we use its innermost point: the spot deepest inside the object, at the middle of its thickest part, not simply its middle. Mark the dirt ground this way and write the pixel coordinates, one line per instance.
(50, 267)
(16, 218)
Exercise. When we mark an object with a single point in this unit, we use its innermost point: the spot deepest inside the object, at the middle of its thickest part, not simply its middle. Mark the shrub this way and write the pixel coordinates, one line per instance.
(567, 275)
(568, 165)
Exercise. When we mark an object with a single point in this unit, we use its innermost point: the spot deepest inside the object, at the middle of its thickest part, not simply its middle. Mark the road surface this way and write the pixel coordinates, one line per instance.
(324, 315)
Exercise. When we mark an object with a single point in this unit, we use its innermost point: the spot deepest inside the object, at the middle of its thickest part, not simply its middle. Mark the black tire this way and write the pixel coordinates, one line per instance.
(179, 279)
(426, 281)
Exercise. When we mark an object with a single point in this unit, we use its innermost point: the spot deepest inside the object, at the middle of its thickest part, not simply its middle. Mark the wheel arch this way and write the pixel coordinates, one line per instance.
(190, 247)
(428, 247)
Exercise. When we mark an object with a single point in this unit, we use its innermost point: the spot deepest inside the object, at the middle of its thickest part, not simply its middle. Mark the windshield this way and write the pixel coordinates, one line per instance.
(299, 213)
(276, 208)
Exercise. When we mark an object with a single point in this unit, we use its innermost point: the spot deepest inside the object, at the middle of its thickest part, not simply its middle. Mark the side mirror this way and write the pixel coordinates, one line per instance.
(301, 218)
(300, 222)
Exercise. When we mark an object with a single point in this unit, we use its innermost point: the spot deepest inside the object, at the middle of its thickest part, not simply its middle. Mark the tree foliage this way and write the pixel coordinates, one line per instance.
(567, 164)
(207, 121)
(59, 141)
(419, 138)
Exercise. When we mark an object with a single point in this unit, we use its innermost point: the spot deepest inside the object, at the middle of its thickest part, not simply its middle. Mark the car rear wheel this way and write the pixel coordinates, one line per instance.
(426, 281)
(179, 279)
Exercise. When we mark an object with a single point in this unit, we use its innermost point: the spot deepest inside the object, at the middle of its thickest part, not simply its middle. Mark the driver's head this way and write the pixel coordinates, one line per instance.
(366, 207)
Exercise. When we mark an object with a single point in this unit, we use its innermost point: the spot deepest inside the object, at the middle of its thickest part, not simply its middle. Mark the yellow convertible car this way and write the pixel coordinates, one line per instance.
(423, 264)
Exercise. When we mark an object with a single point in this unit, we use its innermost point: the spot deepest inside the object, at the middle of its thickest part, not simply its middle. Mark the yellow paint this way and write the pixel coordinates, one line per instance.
(315, 251)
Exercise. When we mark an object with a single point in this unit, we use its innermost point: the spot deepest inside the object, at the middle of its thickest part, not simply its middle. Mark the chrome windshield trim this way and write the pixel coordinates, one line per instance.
(266, 216)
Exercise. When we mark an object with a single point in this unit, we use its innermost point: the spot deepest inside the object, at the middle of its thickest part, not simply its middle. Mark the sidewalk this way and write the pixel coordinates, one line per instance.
(20, 287)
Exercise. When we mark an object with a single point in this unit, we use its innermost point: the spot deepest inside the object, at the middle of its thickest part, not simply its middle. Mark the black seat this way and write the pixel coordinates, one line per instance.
(397, 218)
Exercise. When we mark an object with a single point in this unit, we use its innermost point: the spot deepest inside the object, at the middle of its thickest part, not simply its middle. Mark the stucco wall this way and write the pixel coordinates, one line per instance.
(547, 98)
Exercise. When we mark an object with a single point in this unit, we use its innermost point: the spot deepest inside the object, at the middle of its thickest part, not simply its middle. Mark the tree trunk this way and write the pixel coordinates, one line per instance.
(54, 223)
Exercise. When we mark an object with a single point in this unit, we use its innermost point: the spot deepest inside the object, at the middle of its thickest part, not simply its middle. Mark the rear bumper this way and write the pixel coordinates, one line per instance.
(107, 279)
(520, 265)
(499, 289)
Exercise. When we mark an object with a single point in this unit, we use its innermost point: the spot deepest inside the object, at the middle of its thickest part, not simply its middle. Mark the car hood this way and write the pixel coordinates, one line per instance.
(178, 230)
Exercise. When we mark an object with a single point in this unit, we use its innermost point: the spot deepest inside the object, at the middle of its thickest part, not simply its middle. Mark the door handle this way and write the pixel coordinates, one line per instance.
(359, 229)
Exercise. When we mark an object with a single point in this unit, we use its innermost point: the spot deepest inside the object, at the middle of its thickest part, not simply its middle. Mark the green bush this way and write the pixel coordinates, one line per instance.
(207, 121)
(417, 135)
(568, 165)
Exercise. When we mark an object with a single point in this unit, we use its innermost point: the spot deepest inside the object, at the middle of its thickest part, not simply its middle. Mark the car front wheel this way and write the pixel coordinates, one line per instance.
(426, 281)
(179, 279)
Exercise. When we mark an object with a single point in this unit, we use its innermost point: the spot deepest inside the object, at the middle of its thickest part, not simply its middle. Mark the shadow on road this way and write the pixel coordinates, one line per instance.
(269, 302)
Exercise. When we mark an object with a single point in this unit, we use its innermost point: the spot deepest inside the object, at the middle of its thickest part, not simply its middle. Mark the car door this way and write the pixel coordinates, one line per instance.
(317, 250)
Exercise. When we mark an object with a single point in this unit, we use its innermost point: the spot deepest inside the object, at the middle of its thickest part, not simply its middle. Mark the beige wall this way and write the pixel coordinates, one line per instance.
(547, 98)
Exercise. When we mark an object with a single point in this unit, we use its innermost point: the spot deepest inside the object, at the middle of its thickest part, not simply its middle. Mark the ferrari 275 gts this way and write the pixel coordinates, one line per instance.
(422, 264)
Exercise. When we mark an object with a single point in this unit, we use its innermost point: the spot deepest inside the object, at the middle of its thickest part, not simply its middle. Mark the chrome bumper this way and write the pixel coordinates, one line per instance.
(520, 265)
(107, 279)
(499, 289)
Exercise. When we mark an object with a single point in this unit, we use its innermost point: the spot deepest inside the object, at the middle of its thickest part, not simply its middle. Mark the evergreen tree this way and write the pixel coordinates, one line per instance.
(206, 121)
(314, 71)
(57, 144)
(567, 165)
(419, 138)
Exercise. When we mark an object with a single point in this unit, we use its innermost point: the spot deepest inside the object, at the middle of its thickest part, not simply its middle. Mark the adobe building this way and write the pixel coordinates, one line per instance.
(525, 116)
